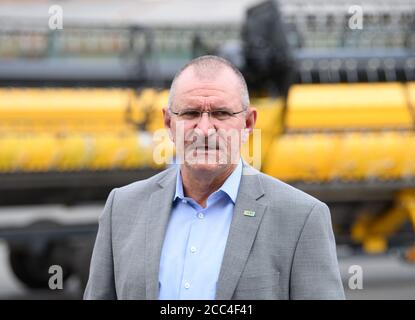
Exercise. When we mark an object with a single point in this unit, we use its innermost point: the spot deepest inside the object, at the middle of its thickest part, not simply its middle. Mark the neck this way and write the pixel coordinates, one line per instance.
(200, 184)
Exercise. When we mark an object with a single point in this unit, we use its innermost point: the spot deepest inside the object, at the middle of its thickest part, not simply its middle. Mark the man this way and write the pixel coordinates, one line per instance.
(212, 227)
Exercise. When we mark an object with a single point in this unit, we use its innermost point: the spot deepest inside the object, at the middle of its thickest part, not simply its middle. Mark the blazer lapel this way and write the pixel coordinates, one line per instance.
(158, 212)
(242, 232)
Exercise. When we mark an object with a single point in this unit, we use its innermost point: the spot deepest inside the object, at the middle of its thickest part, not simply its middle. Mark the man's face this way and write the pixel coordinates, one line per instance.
(208, 141)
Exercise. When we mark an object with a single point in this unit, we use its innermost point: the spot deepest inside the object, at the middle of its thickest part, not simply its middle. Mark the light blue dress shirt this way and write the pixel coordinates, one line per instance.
(195, 242)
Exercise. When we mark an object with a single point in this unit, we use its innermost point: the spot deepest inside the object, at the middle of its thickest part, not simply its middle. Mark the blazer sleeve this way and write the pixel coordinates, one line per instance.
(101, 284)
(315, 272)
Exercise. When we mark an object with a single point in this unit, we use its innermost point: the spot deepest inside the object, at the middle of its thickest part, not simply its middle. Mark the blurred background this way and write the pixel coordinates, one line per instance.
(82, 84)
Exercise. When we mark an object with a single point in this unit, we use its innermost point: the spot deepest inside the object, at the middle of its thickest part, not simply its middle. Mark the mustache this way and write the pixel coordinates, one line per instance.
(205, 146)
(203, 143)
(216, 141)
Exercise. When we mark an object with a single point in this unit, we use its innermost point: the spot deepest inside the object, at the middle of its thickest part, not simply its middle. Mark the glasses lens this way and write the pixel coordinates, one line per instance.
(221, 114)
(189, 114)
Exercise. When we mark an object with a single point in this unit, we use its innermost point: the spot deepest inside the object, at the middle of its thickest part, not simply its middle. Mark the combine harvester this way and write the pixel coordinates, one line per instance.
(336, 112)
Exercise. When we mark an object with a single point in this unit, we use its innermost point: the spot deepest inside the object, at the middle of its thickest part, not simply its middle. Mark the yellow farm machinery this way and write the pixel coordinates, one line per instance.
(336, 113)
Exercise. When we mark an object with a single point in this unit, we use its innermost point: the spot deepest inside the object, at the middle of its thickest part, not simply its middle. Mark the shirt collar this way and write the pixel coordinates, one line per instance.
(230, 186)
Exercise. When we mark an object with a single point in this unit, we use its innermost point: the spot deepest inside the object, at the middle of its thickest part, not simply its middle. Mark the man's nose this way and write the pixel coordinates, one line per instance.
(205, 124)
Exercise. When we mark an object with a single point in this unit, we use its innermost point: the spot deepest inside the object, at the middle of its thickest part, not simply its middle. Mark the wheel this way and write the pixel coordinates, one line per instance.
(83, 247)
(32, 266)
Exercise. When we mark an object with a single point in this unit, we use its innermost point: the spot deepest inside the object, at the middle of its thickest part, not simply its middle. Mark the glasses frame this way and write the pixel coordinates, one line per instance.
(208, 112)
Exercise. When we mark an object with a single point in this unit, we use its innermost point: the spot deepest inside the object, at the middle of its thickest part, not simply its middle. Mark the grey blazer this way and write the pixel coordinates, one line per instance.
(286, 251)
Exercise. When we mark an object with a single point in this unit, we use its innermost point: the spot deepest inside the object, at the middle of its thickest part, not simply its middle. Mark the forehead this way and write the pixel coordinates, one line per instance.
(220, 88)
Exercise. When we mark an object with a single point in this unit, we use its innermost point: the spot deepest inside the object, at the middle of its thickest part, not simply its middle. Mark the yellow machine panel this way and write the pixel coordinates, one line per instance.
(349, 156)
(44, 152)
(61, 110)
(348, 106)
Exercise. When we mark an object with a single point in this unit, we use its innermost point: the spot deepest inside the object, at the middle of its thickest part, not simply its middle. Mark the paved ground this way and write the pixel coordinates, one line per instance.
(384, 277)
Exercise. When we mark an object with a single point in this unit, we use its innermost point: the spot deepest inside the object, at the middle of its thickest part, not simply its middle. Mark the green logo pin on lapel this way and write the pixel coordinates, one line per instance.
(249, 213)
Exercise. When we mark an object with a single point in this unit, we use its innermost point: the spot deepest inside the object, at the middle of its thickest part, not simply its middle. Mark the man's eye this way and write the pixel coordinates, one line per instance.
(220, 114)
(190, 114)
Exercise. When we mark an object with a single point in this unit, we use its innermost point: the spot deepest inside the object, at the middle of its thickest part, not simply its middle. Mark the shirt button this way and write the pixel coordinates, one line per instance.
(200, 215)
(187, 285)
(184, 201)
(193, 249)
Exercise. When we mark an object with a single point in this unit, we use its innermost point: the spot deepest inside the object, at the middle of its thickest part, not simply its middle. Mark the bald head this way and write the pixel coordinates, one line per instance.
(209, 68)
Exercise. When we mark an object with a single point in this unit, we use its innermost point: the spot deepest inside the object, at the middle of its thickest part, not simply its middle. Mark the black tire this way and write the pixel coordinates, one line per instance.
(32, 267)
(83, 246)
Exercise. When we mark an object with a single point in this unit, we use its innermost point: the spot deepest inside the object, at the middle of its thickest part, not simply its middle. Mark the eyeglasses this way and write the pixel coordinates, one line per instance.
(220, 115)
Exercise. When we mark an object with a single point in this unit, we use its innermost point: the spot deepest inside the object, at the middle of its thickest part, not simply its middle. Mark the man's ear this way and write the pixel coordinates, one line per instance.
(167, 122)
(250, 119)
